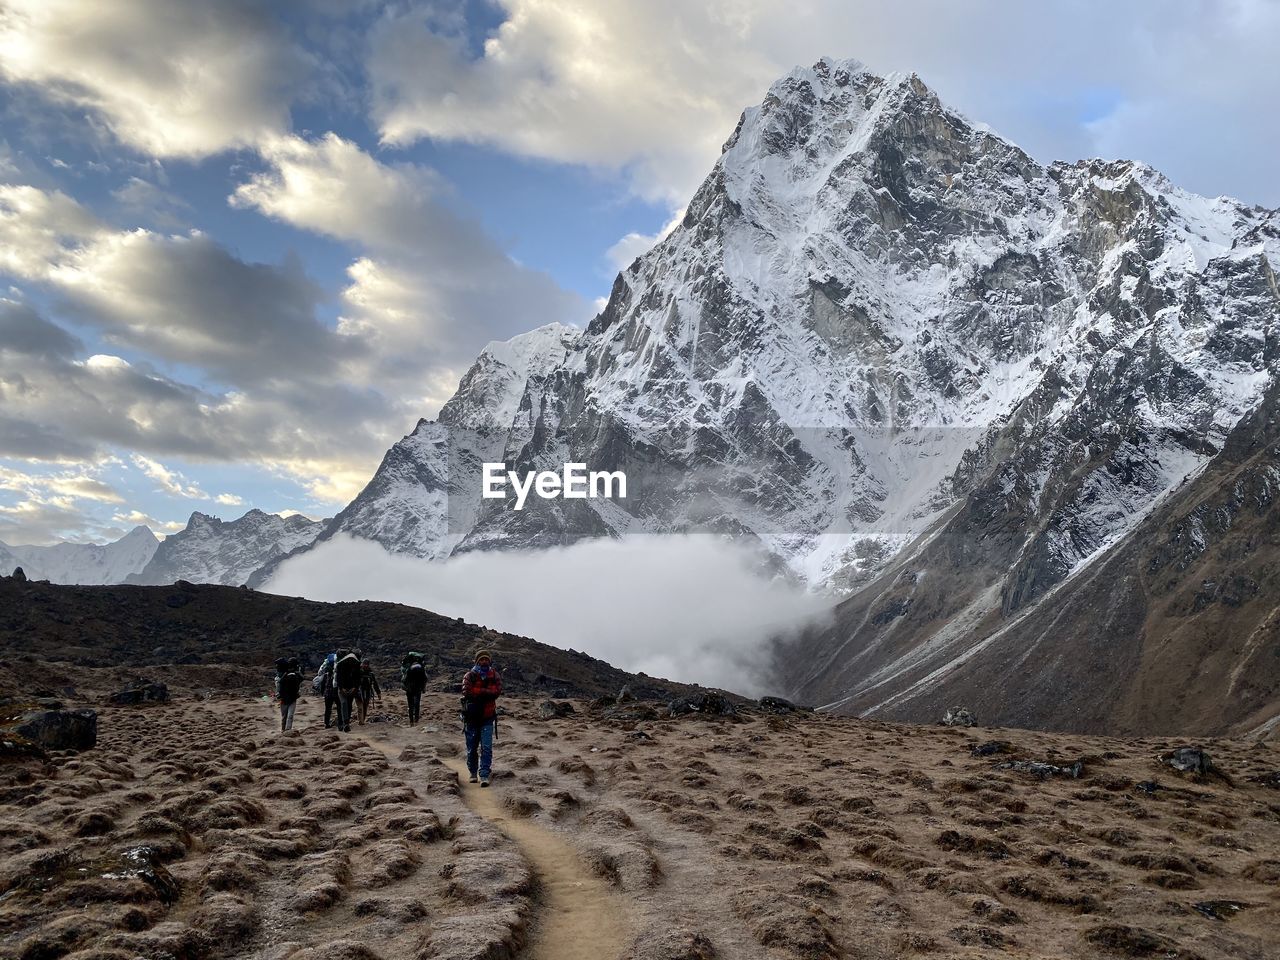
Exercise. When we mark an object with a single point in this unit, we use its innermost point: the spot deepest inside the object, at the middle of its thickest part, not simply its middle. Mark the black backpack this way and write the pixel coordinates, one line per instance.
(290, 684)
(415, 677)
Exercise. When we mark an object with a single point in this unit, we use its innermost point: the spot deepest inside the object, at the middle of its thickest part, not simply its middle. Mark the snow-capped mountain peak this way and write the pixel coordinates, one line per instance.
(86, 563)
(872, 305)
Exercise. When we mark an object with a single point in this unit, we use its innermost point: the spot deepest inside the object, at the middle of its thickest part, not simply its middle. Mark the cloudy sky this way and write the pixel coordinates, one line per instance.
(246, 245)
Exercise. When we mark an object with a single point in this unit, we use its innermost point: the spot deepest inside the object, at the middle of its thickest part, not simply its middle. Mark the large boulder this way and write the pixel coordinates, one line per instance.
(708, 702)
(141, 691)
(959, 717)
(777, 705)
(59, 729)
(551, 710)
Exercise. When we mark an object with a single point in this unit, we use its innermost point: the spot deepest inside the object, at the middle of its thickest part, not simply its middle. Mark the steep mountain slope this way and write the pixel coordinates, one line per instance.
(1175, 628)
(870, 307)
(83, 563)
(209, 550)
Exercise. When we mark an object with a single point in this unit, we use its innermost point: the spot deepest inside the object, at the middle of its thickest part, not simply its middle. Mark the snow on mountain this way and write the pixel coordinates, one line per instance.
(83, 563)
(872, 309)
(210, 550)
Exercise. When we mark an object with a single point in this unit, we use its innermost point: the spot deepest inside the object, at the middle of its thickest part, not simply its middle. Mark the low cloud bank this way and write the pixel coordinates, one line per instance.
(691, 608)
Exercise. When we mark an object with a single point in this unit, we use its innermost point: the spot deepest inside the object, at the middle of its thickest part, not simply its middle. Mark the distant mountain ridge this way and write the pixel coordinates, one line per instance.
(207, 550)
(227, 552)
(83, 563)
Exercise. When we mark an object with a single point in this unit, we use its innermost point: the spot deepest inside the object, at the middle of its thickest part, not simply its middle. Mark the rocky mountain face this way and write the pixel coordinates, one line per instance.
(209, 550)
(911, 362)
(1172, 629)
(83, 563)
(869, 304)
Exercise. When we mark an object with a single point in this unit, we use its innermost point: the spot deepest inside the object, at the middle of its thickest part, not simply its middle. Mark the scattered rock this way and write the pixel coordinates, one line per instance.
(1043, 771)
(708, 702)
(141, 691)
(1188, 760)
(959, 717)
(777, 705)
(991, 748)
(59, 729)
(553, 710)
(1219, 909)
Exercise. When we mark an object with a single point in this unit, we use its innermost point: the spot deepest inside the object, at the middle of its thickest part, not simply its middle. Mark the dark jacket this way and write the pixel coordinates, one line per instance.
(290, 684)
(482, 691)
(347, 672)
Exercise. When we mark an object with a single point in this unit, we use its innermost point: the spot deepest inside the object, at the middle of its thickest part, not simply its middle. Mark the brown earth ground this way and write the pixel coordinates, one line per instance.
(197, 830)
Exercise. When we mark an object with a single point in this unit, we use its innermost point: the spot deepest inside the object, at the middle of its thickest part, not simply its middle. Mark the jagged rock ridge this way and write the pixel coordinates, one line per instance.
(210, 550)
(869, 303)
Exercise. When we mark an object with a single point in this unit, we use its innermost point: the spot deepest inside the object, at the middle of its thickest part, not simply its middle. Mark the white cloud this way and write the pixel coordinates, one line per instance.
(176, 485)
(170, 78)
(49, 505)
(61, 486)
(136, 518)
(653, 89)
(430, 289)
(170, 481)
(633, 244)
(714, 625)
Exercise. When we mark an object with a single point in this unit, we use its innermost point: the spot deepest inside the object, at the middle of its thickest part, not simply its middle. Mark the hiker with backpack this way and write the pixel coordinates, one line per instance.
(413, 677)
(346, 680)
(368, 689)
(323, 684)
(288, 684)
(481, 688)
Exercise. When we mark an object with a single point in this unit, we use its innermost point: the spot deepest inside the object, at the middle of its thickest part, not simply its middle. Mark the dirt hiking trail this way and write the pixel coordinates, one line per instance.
(578, 917)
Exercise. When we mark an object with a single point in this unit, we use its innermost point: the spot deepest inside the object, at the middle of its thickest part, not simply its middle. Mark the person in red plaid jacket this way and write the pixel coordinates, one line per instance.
(481, 688)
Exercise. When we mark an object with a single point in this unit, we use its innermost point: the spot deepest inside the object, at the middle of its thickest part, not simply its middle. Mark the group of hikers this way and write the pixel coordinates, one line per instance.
(347, 682)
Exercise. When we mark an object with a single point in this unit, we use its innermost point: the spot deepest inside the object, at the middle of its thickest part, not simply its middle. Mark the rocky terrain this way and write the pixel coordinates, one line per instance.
(202, 638)
(194, 829)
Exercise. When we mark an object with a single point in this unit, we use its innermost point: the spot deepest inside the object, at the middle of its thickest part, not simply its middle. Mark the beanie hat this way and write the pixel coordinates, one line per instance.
(483, 653)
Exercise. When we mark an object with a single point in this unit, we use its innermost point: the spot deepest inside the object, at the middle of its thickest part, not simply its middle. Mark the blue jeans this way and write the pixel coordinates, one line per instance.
(480, 739)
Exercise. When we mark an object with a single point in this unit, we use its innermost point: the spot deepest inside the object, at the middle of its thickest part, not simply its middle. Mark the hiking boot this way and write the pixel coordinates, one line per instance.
(474, 778)
(484, 782)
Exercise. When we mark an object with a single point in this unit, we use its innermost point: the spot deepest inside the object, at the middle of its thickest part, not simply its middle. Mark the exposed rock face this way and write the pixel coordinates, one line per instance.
(210, 550)
(1170, 630)
(59, 729)
(871, 309)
